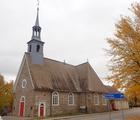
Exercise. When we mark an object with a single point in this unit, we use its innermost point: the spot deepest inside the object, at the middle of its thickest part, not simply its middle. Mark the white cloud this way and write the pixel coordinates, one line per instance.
(74, 30)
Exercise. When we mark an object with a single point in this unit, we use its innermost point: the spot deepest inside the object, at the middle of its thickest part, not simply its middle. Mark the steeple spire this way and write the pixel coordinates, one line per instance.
(36, 28)
(35, 45)
(37, 18)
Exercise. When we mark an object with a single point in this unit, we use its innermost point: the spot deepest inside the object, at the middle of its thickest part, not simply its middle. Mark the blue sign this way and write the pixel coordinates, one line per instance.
(112, 96)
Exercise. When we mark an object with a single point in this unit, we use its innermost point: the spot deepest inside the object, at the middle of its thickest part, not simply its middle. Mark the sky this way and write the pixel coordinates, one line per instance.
(73, 30)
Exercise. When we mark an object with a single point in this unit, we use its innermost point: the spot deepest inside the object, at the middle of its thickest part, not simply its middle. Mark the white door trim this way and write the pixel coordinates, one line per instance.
(44, 103)
(20, 104)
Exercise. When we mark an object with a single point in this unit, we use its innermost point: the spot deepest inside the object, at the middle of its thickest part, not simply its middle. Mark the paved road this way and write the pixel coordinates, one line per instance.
(135, 112)
(106, 116)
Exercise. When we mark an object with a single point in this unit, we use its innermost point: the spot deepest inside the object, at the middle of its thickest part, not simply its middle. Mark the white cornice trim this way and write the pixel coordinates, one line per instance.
(19, 72)
(29, 72)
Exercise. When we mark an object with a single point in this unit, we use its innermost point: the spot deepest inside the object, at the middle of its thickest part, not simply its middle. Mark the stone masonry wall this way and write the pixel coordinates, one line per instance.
(64, 107)
(92, 107)
(27, 92)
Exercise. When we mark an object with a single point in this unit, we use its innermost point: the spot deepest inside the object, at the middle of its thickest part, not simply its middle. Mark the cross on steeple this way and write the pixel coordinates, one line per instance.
(38, 3)
(37, 19)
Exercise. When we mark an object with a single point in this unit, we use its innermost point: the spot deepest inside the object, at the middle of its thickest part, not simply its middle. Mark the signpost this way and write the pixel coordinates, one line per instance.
(114, 96)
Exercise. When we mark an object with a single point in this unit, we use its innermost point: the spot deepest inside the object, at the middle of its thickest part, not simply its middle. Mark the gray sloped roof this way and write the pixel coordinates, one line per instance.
(60, 76)
(89, 79)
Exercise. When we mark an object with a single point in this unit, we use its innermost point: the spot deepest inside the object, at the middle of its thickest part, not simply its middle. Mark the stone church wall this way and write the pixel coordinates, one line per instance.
(64, 107)
(27, 92)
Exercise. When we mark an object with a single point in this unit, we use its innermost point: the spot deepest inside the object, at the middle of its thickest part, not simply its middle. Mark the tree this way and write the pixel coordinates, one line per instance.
(1, 83)
(133, 93)
(124, 52)
(6, 94)
(1, 80)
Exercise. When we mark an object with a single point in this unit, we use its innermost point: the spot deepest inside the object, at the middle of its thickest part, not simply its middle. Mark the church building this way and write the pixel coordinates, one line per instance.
(46, 87)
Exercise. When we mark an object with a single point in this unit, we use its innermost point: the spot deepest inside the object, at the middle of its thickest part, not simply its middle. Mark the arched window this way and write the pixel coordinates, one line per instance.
(24, 83)
(22, 99)
(71, 99)
(96, 99)
(37, 48)
(104, 102)
(55, 98)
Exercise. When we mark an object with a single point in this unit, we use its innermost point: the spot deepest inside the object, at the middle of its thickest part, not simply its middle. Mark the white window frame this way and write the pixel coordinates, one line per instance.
(22, 97)
(96, 97)
(24, 83)
(104, 102)
(70, 95)
(57, 95)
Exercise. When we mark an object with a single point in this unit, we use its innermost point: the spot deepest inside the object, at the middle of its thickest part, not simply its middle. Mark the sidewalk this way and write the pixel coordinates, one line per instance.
(131, 115)
(76, 116)
(15, 118)
(89, 115)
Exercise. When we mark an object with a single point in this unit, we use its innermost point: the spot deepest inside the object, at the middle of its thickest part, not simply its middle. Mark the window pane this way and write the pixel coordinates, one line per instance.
(55, 98)
(96, 99)
(24, 83)
(71, 99)
(103, 100)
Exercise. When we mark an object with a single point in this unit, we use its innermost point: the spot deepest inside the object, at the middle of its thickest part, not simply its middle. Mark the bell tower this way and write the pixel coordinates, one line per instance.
(35, 45)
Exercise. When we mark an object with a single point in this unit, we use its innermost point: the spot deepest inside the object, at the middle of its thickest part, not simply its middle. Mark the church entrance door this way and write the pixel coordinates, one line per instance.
(42, 110)
(21, 109)
(22, 106)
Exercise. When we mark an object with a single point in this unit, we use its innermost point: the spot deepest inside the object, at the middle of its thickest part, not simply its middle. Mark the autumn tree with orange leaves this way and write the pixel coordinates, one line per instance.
(6, 94)
(124, 54)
